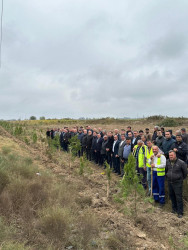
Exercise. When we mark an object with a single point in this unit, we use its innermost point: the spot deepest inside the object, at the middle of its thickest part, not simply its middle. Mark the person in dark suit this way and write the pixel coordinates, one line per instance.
(115, 156)
(109, 148)
(93, 146)
(89, 144)
(116, 132)
(98, 149)
(84, 142)
(136, 137)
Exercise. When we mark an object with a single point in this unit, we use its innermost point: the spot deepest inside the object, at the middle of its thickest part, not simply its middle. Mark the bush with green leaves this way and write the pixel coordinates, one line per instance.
(131, 182)
(74, 144)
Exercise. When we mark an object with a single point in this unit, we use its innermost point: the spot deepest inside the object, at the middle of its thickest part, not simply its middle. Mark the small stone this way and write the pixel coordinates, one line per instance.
(141, 235)
(97, 195)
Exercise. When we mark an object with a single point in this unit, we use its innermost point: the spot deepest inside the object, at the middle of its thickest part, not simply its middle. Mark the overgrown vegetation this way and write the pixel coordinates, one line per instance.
(41, 207)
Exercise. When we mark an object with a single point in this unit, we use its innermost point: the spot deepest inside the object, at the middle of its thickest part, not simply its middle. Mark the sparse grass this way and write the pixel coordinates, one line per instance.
(44, 208)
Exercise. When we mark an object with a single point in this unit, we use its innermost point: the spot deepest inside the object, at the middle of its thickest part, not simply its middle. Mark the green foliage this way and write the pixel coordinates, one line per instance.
(169, 122)
(18, 130)
(32, 117)
(42, 118)
(74, 145)
(131, 182)
(6, 150)
(34, 137)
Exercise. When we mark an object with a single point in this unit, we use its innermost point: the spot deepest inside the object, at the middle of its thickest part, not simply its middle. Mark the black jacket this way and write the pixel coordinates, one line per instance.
(182, 150)
(110, 142)
(94, 142)
(89, 141)
(99, 144)
(176, 172)
(84, 140)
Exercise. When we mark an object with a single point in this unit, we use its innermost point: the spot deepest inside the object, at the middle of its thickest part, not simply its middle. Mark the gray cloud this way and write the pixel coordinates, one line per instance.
(76, 58)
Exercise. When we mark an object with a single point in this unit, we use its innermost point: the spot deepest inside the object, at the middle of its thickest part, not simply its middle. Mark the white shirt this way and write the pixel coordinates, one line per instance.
(113, 146)
(162, 165)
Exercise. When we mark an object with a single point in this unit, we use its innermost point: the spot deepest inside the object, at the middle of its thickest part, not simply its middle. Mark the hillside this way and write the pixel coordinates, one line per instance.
(46, 204)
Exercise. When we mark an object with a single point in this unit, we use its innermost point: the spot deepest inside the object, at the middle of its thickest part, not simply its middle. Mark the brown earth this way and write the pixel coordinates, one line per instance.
(152, 229)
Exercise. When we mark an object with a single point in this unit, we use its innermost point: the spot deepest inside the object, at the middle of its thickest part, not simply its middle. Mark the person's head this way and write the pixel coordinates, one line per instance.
(95, 129)
(130, 134)
(178, 132)
(110, 133)
(159, 133)
(155, 150)
(183, 131)
(116, 131)
(85, 131)
(98, 135)
(147, 130)
(167, 134)
(89, 132)
(135, 133)
(128, 140)
(140, 143)
(162, 130)
(88, 127)
(149, 144)
(179, 138)
(129, 128)
(105, 137)
(94, 133)
(122, 137)
(99, 129)
(141, 132)
(143, 138)
(172, 155)
(80, 131)
(156, 128)
(115, 137)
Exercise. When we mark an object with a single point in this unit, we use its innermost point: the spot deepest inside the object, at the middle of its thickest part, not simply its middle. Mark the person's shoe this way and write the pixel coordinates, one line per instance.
(173, 211)
(180, 215)
(161, 205)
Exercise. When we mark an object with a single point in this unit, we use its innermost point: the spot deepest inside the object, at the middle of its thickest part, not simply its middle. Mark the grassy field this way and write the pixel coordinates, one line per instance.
(45, 203)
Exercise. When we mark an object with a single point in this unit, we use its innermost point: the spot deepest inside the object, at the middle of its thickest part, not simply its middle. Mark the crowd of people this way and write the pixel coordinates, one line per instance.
(158, 155)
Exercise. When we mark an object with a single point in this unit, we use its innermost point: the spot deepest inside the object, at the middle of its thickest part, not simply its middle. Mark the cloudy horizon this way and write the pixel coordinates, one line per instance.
(78, 58)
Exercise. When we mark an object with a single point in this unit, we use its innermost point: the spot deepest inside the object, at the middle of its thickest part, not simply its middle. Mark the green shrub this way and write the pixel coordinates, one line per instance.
(169, 122)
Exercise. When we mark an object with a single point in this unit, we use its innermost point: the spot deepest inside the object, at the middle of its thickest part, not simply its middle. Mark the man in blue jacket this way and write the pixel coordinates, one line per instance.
(167, 143)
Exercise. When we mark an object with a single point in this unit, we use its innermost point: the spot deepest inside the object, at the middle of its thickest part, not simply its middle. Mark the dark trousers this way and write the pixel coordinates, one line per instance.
(122, 164)
(158, 188)
(142, 172)
(116, 164)
(98, 158)
(175, 194)
(83, 151)
(88, 154)
(109, 158)
(93, 155)
(103, 159)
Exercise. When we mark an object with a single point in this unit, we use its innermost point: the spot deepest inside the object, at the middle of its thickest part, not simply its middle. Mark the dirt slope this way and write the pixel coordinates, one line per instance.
(152, 229)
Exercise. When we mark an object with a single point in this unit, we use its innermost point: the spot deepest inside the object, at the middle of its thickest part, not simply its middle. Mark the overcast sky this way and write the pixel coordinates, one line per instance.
(94, 58)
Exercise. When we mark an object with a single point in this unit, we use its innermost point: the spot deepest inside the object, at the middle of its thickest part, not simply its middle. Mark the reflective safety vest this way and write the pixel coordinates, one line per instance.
(142, 155)
(160, 171)
(149, 154)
